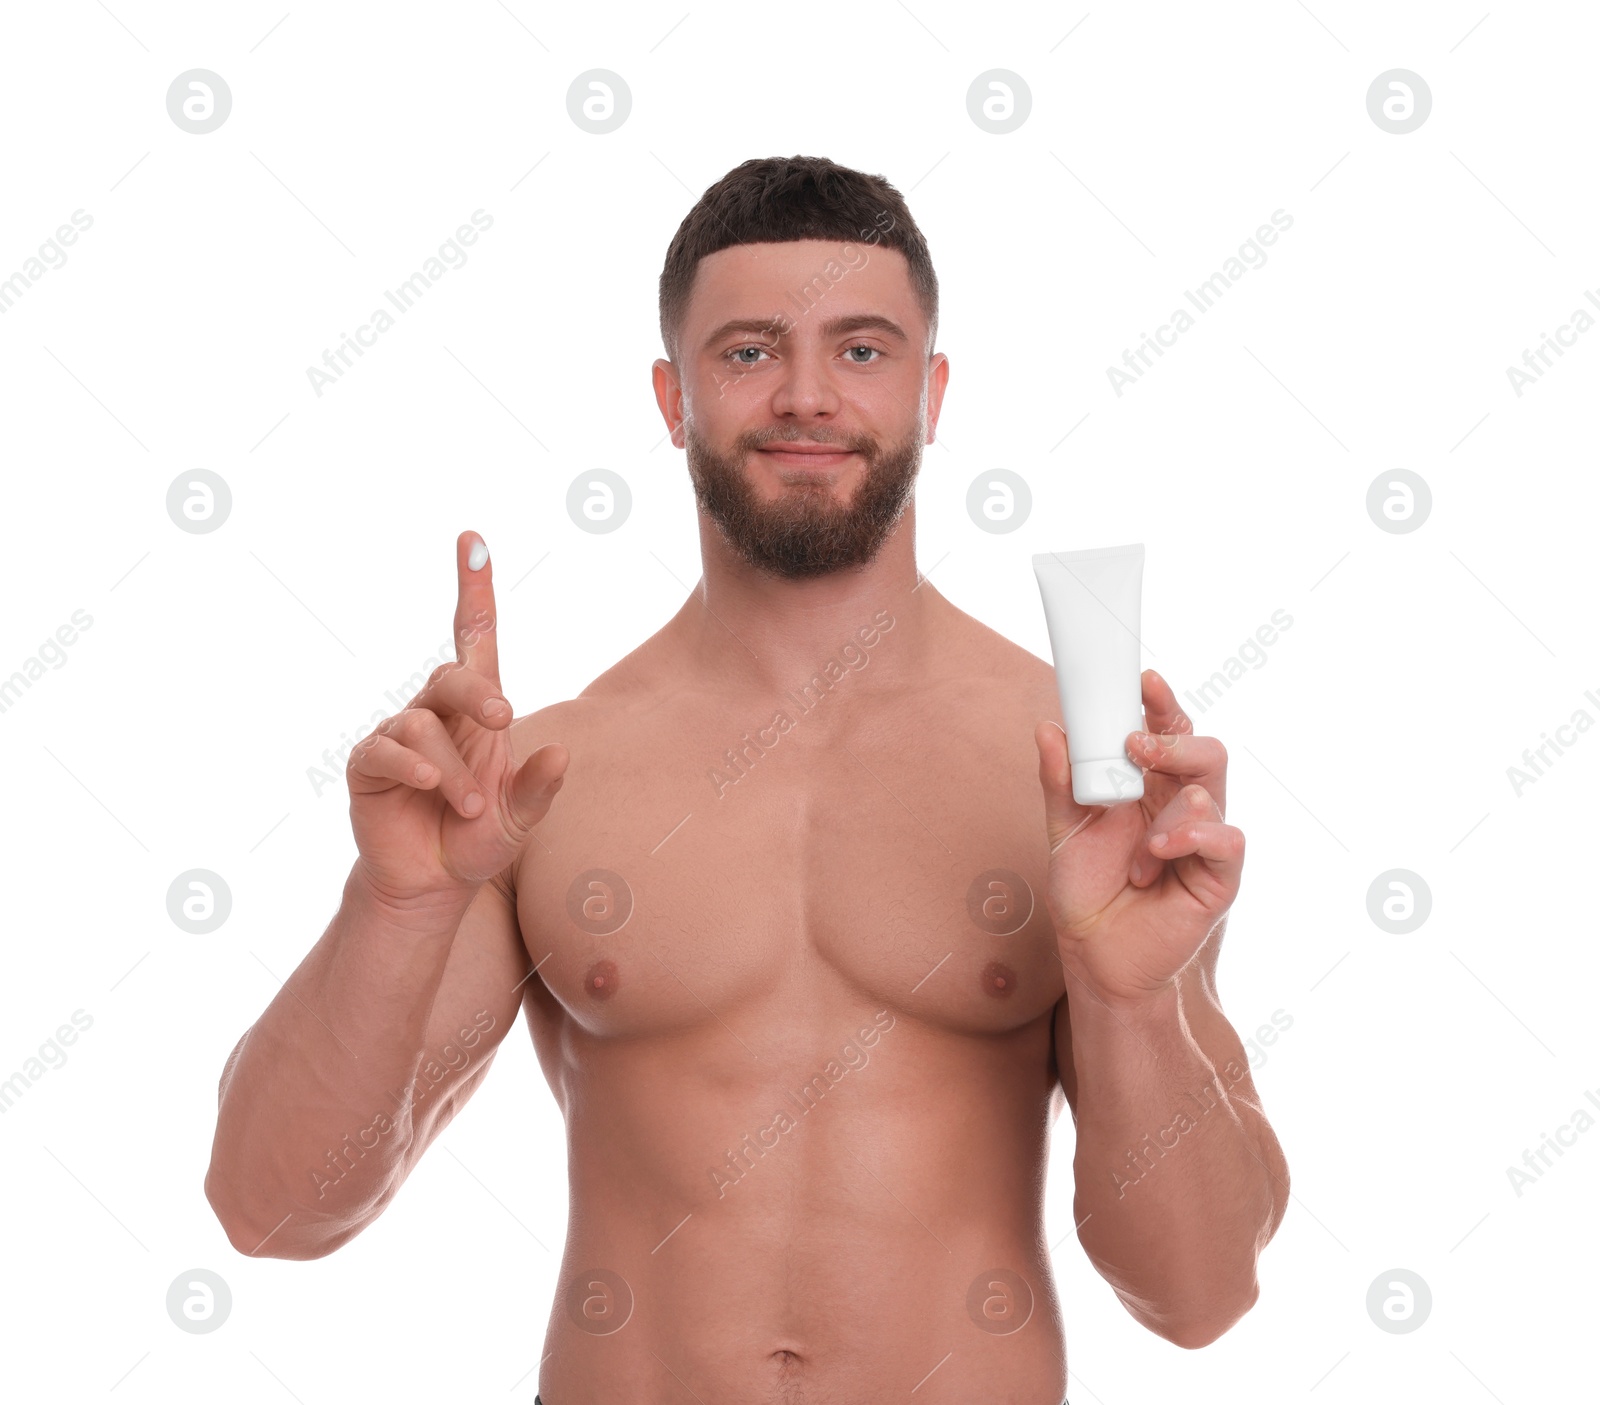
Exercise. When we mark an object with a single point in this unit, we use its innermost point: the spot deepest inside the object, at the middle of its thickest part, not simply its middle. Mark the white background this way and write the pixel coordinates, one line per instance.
(179, 731)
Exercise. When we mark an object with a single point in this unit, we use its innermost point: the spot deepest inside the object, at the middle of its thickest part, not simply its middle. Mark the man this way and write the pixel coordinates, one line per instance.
(815, 944)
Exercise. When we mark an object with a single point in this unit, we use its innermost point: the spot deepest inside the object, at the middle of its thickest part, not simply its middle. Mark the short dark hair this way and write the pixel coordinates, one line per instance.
(775, 199)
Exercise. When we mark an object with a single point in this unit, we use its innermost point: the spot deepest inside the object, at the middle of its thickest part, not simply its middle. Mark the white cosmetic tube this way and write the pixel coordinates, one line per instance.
(1091, 605)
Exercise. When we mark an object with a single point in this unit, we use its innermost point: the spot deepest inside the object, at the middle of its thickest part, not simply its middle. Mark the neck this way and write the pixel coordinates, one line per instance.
(771, 633)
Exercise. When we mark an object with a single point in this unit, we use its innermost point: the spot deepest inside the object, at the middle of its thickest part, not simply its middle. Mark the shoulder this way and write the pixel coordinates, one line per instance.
(572, 722)
(995, 666)
(631, 687)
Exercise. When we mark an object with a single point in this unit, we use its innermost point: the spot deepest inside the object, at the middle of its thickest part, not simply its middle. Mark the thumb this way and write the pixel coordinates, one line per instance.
(1063, 816)
(536, 782)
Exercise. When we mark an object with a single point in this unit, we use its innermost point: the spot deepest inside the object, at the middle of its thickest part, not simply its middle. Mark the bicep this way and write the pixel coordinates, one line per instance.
(477, 1003)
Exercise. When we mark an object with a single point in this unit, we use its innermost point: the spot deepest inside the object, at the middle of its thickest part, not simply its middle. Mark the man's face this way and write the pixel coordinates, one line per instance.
(802, 396)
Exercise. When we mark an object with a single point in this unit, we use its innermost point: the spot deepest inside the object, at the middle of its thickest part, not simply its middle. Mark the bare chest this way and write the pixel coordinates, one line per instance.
(789, 860)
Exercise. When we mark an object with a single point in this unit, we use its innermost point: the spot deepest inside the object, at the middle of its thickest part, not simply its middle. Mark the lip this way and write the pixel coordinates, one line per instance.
(806, 455)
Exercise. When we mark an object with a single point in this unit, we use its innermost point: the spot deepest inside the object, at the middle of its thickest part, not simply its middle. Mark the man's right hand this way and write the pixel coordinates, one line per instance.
(436, 803)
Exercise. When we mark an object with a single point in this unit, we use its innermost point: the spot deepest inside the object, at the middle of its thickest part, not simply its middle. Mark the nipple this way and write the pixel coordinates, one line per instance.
(600, 981)
(998, 980)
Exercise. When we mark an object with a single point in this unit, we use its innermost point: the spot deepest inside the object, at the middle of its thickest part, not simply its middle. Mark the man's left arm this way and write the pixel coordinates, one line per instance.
(1180, 1180)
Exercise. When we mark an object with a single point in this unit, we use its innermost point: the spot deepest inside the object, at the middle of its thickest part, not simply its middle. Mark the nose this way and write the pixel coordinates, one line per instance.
(805, 388)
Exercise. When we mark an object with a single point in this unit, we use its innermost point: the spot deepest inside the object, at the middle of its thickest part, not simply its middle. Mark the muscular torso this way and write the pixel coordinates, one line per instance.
(801, 1033)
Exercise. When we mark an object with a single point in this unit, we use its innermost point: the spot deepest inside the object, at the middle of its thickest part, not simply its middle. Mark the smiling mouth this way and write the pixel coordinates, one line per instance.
(815, 458)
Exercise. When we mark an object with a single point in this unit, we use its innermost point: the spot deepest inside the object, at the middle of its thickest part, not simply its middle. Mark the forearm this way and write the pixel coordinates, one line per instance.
(314, 1116)
(1176, 1192)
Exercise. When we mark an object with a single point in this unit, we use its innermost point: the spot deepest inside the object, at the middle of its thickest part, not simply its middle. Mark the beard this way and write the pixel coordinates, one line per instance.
(805, 532)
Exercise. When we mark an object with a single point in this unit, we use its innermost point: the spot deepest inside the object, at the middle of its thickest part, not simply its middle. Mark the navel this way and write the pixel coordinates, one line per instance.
(600, 981)
(998, 979)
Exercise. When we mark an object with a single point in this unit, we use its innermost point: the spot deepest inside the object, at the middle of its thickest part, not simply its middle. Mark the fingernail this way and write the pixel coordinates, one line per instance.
(494, 707)
(1158, 841)
(472, 804)
(477, 556)
(1135, 872)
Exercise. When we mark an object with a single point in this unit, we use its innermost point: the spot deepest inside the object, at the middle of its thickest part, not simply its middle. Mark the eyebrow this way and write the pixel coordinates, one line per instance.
(833, 327)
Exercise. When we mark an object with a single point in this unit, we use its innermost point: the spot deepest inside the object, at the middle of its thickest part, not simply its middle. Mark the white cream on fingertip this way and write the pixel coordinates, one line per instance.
(477, 556)
(1091, 604)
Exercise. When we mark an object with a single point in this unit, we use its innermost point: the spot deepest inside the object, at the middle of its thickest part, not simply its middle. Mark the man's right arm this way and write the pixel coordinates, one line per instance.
(370, 1047)
(321, 1113)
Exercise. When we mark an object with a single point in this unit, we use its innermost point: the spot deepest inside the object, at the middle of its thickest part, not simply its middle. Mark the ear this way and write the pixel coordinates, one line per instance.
(669, 397)
(938, 377)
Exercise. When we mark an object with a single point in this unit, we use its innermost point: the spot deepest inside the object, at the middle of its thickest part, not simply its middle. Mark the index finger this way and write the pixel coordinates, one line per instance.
(476, 645)
(1185, 759)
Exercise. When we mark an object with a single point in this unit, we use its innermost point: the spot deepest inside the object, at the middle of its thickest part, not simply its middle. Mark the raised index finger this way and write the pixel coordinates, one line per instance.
(476, 645)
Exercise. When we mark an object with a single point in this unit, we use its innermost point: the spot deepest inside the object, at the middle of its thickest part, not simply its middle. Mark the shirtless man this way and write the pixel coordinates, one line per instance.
(815, 945)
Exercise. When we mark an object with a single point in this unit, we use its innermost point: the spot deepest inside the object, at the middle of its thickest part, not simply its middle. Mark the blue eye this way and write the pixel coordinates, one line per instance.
(736, 354)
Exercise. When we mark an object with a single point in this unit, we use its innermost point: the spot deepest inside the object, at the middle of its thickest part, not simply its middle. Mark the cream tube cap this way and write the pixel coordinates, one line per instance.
(1106, 782)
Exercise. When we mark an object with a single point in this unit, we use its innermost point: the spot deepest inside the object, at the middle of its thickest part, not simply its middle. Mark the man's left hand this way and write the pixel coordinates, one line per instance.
(1136, 888)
